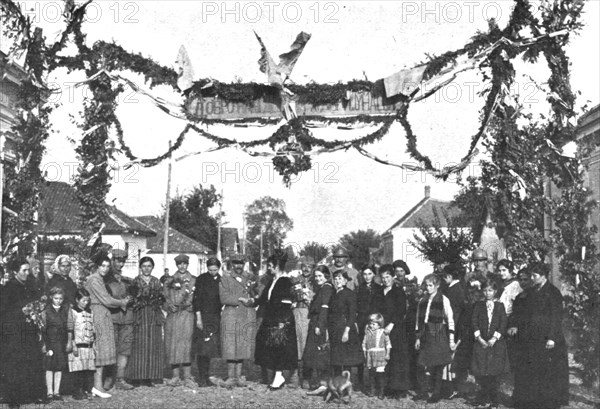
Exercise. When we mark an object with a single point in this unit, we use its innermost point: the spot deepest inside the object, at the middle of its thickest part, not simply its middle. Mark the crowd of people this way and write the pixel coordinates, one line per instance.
(301, 324)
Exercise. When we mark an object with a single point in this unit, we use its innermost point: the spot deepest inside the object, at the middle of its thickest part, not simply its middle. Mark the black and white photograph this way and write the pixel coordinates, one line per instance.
(299, 204)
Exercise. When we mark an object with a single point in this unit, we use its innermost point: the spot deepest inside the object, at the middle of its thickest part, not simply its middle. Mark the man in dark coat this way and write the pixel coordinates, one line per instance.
(207, 307)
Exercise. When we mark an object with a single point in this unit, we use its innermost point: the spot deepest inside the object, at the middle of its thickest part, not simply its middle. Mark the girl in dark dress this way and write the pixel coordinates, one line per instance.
(21, 349)
(435, 337)
(393, 309)
(543, 371)
(316, 356)
(276, 343)
(207, 307)
(369, 298)
(490, 359)
(346, 350)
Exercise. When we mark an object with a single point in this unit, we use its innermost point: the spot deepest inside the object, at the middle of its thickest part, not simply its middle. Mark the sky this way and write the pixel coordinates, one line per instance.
(350, 40)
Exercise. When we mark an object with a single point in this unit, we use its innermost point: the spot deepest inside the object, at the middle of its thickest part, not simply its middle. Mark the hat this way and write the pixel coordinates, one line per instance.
(182, 258)
(479, 254)
(307, 260)
(237, 259)
(340, 252)
(402, 264)
(342, 273)
(119, 253)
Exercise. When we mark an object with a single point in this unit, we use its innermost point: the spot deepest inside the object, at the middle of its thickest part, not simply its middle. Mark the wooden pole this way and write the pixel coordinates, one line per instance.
(260, 268)
(166, 233)
(1, 189)
(219, 255)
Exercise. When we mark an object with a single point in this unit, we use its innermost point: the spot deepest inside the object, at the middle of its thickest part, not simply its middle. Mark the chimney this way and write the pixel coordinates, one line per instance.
(427, 192)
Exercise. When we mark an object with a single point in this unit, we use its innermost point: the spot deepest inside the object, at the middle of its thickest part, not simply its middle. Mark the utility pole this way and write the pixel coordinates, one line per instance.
(260, 269)
(244, 234)
(1, 188)
(166, 233)
(219, 255)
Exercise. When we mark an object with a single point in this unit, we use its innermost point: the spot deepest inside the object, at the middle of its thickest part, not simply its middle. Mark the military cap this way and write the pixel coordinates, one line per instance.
(182, 258)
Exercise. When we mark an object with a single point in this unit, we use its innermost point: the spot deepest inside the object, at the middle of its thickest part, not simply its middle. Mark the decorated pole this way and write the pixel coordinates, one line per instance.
(166, 233)
(1, 189)
(219, 255)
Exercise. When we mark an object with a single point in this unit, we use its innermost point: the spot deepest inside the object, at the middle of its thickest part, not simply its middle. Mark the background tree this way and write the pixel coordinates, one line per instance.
(358, 244)
(315, 250)
(266, 214)
(444, 243)
(190, 214)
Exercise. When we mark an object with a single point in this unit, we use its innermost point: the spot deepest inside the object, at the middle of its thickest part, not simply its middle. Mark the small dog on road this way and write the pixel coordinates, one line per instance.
(338, 386)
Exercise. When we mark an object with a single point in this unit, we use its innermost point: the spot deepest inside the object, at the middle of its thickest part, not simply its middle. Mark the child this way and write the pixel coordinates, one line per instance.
(57, 341)
(435, 337)
(81, 360)
(490, 358)
(376, 346)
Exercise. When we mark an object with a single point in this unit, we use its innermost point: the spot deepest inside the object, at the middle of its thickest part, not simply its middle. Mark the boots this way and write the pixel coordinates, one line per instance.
(174, 381)
(188, 380)
(203, 366)
(294, 379)
(240, 380)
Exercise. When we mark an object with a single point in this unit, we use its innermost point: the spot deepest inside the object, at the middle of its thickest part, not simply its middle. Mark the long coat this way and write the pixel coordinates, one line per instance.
(276, 344)
(342, 314)
(179, 325)
(393, 309)
(489, 361)
(542, 376)
(238, 322)
(207, 342)
(317, 351)
(369, 300)
(106, 353)
(21, 348)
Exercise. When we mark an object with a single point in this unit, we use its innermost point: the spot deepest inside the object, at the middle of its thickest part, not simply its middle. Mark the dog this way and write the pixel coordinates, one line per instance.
(338, 386)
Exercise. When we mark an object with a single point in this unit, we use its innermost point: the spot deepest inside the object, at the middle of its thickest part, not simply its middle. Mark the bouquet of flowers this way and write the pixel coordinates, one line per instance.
(277, 335)
(184, 292)
(146, 296)
(300, 290)
(33, 312)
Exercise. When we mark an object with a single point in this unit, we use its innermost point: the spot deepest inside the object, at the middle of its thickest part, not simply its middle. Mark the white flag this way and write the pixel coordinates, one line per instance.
(185, 70)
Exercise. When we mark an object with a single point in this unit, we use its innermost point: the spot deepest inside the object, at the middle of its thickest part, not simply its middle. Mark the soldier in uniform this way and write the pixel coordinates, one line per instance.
(340, 263)
(303, 295)
(118, 287)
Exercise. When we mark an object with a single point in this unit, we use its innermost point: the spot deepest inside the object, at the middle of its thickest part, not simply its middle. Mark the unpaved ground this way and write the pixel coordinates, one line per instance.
(257, 396)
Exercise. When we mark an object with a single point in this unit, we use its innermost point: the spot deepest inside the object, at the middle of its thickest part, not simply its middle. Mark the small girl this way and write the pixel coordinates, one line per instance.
(81, 360)
(57, 341)
(376, 346)
(490, 358)
(435, 337)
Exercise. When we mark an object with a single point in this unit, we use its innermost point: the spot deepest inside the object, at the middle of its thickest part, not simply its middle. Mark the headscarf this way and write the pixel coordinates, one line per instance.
(54, 269)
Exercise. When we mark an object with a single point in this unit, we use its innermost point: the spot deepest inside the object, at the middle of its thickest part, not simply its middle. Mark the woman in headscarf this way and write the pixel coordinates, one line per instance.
(60, 278)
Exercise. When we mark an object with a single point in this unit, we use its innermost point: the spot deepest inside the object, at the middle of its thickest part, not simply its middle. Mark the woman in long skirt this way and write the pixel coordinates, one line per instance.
(147, 353)
(106, 353)
(394, 312)
(346, 350)
(276, 344)
(316, 358)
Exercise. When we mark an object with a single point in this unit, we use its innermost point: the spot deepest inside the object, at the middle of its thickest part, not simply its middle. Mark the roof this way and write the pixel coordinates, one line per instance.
(588, 126)
(424, 212)
(178, 242)
(229, 238)
(59, 214)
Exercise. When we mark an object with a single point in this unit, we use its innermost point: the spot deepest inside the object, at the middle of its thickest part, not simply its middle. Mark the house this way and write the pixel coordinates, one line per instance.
(59, 223)
(587, 135)
(230, 242)
(11, 76)
(397, 240)
(179, 243)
